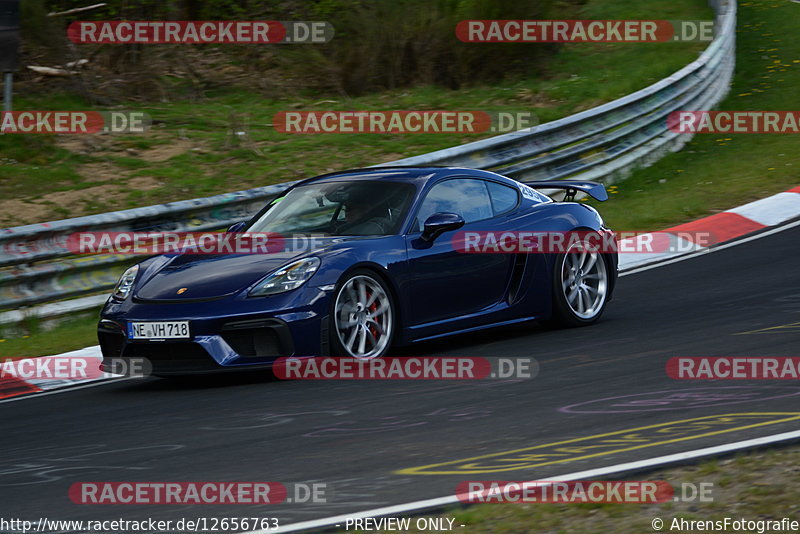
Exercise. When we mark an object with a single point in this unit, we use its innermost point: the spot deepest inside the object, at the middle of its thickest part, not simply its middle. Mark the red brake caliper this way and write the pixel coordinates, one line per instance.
(373, 307)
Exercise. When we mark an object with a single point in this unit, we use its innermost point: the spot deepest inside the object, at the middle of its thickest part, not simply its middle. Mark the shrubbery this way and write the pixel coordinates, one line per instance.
(378, 44)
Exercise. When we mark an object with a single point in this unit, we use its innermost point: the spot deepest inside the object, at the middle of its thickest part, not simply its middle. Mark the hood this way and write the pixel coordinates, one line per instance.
(215, 276)
(207, 277)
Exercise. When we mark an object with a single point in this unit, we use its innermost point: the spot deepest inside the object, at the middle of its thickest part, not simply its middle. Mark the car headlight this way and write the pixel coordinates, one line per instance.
(286, 278)
(125, 284)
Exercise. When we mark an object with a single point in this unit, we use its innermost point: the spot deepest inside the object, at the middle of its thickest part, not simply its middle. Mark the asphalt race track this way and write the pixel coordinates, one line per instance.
(356, 435)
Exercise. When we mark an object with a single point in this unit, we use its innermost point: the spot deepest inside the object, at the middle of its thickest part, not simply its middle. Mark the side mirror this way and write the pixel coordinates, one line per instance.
(232, 229)
(439, 223)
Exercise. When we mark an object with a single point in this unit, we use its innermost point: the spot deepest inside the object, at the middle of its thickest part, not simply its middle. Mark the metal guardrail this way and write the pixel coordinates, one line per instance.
(605, 143)
(36, 265)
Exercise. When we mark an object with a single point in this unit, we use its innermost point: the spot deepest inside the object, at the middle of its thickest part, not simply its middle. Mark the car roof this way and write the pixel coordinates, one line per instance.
(418, 175)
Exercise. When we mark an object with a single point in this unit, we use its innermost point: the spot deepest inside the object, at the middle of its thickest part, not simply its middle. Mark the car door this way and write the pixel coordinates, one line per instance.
(443, 282)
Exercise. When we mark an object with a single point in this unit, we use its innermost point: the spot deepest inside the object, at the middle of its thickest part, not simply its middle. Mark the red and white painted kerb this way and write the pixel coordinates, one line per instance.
(46, 373)
(725, 226)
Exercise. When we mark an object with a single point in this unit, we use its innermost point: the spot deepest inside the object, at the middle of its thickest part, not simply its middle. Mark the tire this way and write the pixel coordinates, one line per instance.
(581, 285)
(362, 316)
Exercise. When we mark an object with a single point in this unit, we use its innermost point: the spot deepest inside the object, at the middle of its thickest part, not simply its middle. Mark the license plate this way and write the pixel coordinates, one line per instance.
(159, 330)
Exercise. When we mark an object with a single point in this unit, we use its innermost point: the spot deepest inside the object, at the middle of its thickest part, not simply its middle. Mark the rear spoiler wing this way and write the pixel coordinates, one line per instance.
(594, 189)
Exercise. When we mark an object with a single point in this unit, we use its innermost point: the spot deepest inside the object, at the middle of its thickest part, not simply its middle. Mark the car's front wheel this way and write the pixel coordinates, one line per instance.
(363, 316)
(580, 286)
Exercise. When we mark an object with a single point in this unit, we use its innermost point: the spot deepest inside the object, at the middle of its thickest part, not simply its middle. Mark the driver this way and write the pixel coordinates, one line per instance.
(362, 218)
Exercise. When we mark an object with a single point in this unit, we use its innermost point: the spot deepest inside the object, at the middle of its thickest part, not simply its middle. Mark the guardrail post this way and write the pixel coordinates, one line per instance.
(8, 81)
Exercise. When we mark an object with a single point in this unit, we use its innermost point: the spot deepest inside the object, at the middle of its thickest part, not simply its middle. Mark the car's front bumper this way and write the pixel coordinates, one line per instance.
(226, 334)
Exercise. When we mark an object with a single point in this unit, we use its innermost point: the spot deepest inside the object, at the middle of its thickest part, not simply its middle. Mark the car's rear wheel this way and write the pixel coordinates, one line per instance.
(363, 316)
(580, 286)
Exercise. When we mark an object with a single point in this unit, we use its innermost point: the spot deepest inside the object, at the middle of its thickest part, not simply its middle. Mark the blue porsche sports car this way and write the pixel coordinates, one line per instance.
(383, 271)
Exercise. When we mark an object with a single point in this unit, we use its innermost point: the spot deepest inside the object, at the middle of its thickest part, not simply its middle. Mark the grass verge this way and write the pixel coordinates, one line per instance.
(717, 172)
(226, 141)
(35, 338)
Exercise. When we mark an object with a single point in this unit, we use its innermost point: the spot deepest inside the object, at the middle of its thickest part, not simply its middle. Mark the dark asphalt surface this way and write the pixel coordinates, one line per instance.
(354, 435)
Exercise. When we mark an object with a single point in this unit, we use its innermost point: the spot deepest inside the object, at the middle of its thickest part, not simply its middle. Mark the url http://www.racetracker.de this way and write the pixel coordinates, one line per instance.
(197, 524)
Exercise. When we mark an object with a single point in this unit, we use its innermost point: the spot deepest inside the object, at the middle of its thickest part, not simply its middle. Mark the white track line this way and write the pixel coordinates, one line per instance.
(659, 461)
(715, 248)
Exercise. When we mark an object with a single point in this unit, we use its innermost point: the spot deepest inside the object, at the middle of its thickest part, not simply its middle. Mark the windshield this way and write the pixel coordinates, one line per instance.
(339, 208)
